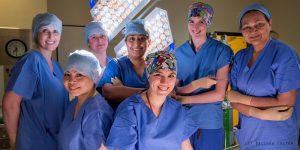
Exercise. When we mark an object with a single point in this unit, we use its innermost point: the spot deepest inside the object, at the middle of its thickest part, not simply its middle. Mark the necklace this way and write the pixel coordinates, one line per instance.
(147, 96)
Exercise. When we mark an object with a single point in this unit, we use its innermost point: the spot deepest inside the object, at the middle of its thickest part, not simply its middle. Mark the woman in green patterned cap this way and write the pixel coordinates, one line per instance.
(151, 119)
(199, 59)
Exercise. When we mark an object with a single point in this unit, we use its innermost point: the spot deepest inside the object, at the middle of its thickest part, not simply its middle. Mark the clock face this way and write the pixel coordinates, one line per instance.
(15, 48)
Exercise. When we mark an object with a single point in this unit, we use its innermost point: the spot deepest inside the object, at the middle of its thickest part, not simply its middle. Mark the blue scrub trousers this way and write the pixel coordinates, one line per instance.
(208, 139)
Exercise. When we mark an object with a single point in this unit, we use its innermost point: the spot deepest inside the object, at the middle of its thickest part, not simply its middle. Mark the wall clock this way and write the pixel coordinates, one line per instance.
(15, 48)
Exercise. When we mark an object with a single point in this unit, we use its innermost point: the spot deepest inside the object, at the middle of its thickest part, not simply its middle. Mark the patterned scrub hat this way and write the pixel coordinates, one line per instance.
(160, 60)
(202, 10)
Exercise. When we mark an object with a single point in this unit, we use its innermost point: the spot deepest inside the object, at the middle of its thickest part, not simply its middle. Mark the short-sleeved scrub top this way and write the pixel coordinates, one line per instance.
(122, 68)
(90, 128)
(275, 71)
(212, 56)
(136, 127)
(43, 104)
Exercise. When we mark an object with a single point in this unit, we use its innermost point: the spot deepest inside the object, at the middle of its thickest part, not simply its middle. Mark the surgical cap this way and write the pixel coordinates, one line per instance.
(257, 7)
(45, 19)
(135, 27)
(202, 10)
(93, 28)
(85, 63)
(160, 60)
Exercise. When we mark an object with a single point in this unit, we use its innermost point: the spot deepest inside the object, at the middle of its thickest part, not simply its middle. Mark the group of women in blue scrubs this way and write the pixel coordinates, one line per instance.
(89, 117)
(265, 75)
(126, 75)
(35, 100)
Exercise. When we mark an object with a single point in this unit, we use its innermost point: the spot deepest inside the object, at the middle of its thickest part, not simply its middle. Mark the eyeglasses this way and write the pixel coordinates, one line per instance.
(258, 26)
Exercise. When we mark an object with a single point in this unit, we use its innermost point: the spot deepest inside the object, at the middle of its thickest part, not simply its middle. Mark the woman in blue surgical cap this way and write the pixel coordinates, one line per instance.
(35, 100)
(89, 117)
(203, 66)
(152, 120)
(126, 75)
(264, 76)
(96, 38)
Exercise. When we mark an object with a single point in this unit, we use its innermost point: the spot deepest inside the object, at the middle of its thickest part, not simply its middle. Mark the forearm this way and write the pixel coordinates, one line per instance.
(186, 145)
(207, 97)
(118, 93)
(281, 100)
(185, 89)
(273, 113)
(11, 113)
(241, 108)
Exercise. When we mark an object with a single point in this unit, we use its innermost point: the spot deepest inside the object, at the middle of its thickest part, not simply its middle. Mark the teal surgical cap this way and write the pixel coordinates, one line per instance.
(257, 7)
(85, 63)
(93, 28)
(45, 19)
(135, 27)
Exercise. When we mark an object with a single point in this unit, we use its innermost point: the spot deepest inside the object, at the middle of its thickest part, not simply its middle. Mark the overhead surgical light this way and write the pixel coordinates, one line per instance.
(114, 14)
(157, 23)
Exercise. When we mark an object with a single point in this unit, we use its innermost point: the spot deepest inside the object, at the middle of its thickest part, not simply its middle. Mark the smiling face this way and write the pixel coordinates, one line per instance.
(256, 28)
(197, 27)
(48, 38)
(162, 82)
(137, 45)
(98, 44)
(78, 84)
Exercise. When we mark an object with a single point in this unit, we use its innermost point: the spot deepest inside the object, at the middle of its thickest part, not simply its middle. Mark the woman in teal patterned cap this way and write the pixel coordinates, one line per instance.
(203, 66)
(151, 119)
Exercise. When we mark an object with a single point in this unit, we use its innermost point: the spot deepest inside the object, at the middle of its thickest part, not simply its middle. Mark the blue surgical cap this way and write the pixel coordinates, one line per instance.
(93, 28)
(85, 63)
(258, 7)
(135, 27)
(45, 19)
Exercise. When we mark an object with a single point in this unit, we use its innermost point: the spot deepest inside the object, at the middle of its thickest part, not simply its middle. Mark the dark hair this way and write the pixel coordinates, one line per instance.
(250, 11)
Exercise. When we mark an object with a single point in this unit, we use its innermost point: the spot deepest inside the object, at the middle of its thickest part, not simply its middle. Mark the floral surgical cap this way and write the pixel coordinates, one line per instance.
(202, 10)
(160, 60)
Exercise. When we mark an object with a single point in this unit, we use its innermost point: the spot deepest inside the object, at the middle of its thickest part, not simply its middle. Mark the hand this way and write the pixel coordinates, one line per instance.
(236, 97)
(173, 94)
(116, 81)
(182, 99)
(275, 113)
(205, 82)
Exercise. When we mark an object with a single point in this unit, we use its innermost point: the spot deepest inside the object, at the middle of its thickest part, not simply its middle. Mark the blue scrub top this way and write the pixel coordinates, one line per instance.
(275, 71)
(90, 128)
(44, 101)
(212, 56)
(122, 68)
(136, 126)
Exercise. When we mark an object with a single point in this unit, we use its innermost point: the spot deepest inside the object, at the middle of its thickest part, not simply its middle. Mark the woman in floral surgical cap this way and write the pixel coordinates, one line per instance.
(151, 119)
(203, 66)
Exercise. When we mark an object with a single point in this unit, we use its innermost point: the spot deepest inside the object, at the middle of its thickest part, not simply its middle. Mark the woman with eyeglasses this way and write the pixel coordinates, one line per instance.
(126, 75)
(264, 77)
(151, 120)
(35, 100)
